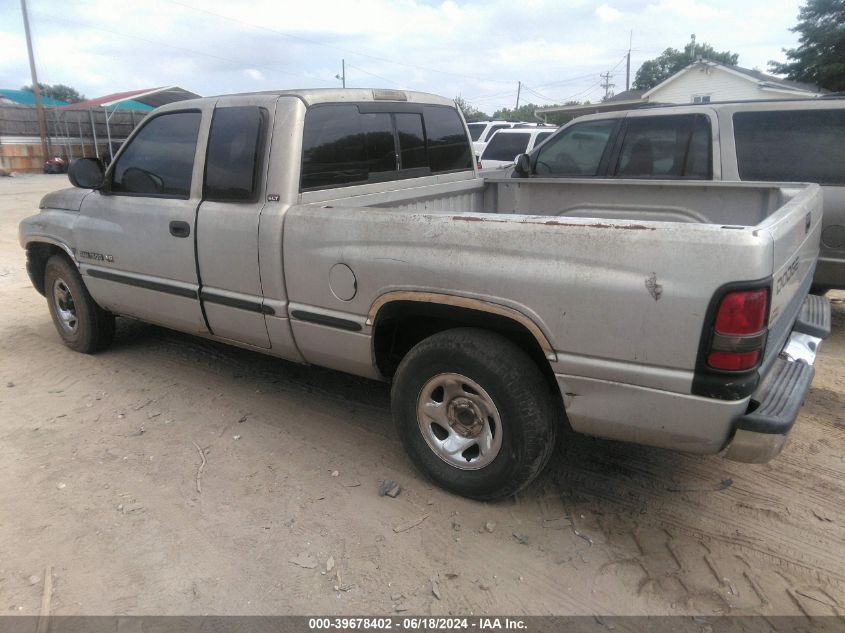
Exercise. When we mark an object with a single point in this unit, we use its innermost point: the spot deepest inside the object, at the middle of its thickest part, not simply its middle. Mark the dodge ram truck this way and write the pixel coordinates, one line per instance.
(350, 229)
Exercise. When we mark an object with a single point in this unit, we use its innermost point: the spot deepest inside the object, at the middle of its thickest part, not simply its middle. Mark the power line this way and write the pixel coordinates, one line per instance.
(367, 72)
(337, 48)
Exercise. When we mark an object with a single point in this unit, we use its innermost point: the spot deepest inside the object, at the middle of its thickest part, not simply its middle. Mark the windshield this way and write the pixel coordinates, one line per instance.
(506, 146)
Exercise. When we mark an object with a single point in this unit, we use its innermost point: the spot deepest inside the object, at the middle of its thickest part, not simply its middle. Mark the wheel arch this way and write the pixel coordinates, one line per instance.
(401, 319)
(38, 252)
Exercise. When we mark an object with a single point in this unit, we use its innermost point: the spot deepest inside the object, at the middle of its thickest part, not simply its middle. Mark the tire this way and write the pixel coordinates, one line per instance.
(81, 323)
(441, 401)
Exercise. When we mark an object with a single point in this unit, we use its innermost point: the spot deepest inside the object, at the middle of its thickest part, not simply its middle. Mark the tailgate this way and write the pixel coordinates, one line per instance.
(795, 230)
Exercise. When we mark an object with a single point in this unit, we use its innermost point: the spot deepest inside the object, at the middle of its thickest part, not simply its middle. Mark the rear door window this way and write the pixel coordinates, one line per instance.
(666, 147)
(505, 146)
(233, 159)
(577, 151)
(791, 145)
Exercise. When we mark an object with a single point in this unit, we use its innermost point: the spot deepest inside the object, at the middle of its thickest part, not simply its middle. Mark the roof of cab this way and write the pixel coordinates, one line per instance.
(313, 96)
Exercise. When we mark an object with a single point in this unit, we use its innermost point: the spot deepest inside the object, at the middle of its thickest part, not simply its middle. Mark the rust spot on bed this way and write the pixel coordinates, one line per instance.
(600, 225)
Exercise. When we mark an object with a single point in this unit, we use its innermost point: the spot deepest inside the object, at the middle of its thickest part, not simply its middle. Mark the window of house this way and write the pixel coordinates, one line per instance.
(233, 159)
(666, 147)
(576, 151)
(791, 145)
(701, 98)
(159, 160)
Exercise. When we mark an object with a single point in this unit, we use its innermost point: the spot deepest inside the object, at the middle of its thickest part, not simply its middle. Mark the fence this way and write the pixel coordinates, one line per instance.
(70, 134)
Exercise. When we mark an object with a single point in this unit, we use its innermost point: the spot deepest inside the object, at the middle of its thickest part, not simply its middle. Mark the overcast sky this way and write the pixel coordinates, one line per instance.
(476, 49)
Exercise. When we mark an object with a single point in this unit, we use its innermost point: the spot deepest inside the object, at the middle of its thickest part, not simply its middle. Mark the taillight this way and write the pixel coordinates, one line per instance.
(739, 330)
(742, 312)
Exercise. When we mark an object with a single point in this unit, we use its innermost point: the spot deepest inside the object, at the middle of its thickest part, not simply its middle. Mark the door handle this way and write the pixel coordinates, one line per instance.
(180, 229)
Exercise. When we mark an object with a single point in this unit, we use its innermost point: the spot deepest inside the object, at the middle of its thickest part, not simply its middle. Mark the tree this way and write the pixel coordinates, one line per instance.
(471, 113)
(672, 60)
(58, 91)
(525, 112)
(820, 57)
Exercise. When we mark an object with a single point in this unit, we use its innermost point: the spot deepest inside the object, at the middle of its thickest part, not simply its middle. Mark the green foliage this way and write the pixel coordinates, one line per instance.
(820, 57)
(470, 112)
(58, 91)
(525, 112)
(672, 60)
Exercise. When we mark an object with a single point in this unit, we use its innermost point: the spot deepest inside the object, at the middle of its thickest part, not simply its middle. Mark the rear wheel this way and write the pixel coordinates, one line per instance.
(81, 323)
(474, 413)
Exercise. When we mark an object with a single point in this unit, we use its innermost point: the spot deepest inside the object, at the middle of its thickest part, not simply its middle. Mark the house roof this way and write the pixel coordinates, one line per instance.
(761, 79)
(144, 99)
(627, 95)
(27, 97)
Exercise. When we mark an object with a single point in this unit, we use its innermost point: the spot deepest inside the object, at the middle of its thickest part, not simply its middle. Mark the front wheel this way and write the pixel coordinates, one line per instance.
(83, 325)
(474, 413)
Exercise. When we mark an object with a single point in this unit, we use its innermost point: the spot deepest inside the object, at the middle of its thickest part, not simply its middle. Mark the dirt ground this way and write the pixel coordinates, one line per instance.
(99, 459)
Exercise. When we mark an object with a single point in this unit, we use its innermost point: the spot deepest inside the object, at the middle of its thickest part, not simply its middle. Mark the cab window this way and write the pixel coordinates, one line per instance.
(666, 147)
(791, 145)
(233, 160)
(159, 160)
(577, 151)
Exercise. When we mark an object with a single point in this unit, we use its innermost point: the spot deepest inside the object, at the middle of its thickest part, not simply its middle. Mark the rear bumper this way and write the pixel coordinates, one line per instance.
(762, 433)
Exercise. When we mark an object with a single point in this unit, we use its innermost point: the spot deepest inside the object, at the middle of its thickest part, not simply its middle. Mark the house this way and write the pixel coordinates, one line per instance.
(702, 81)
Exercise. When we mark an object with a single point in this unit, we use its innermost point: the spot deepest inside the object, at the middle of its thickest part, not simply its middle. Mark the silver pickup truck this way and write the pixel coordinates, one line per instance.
(349, 229)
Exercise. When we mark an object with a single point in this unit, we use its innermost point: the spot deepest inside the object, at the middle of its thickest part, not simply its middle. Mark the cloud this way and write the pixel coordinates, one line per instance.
(606, 13)
(476, 48)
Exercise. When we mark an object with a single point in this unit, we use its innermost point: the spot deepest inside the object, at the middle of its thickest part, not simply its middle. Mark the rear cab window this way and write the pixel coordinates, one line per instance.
(347, 144)
(674, 146)
(791, 145)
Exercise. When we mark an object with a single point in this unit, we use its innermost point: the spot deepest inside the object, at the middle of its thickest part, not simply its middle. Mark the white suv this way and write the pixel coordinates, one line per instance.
(506, 145)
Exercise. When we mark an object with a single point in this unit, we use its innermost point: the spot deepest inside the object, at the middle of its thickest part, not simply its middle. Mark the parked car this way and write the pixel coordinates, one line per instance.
(482, 131)
(55, 165)
(673, 314)
(506, 145)
(796, 140)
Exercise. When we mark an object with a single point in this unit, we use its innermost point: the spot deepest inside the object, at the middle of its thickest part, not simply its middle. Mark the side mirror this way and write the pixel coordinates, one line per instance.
(86, 173)
(522, 165)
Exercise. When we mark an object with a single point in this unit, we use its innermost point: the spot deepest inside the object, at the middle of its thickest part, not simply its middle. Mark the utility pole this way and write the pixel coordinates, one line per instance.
(607, 85)
(628, 65)
(518, 91)
(342, 76)
(36, 89)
